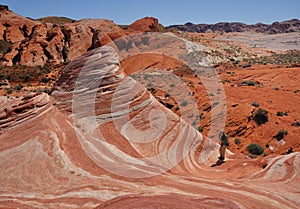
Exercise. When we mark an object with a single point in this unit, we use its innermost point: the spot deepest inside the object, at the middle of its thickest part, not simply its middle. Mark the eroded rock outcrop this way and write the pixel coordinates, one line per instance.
(14, 112)
(147, 24)
(35, 43)
(102, 141)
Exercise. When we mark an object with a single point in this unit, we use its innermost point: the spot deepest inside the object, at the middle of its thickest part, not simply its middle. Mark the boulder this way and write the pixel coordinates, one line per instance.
(147, 24)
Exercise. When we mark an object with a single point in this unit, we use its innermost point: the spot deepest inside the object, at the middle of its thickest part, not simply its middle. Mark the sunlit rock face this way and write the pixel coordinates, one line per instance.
(101, 140)
(35, 43)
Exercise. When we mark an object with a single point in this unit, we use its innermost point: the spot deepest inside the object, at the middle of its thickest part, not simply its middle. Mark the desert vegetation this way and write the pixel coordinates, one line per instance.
(281, 134)
(291, 57)
(5, 46)
(55, 20)
(20, 79)
(255, 149)
(261, 116)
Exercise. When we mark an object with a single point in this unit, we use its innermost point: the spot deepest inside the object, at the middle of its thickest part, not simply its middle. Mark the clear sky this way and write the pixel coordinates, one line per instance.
(167, 11)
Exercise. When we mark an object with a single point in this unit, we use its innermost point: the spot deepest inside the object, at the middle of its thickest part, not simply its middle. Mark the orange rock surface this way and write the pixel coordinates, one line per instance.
(147, 24)
(102, 141)
(134, 118)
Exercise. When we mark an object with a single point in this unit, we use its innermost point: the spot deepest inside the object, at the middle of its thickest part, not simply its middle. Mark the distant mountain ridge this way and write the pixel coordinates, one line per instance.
(287, 26)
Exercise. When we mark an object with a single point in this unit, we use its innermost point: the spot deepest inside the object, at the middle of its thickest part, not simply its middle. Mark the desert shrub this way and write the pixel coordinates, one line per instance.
(255, 149)
(247, 66)
(45, 69)
(168, 105)
(45, 80)
(9, 91)
(290, 57)
(45, 90)
(296, 123)
(152, 90)
(5, 46)
(8, 77)
(26, 78)
(261, 116)
(282, 113)
(248, 83)
(281, 134)
(146, 76)
(18, 87)
(255, 104)
(237, 141)
(200, 128)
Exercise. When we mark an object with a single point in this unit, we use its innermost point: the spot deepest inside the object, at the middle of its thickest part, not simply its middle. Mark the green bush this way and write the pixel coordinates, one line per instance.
(296, 123)
(255, 104)
(237, 141)
(281, 134)
(5, 46)
(26, 78)
(282, 113)
(200, 129)
(255, 149)
(261, 116)
(45, 80)
(18, 87)
(248, 83)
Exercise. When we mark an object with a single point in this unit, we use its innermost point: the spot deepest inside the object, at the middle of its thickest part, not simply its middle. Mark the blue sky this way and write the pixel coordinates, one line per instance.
(167, 11)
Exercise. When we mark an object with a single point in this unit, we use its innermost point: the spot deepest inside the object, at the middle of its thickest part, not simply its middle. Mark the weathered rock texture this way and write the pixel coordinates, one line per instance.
(93, 144)
(147, 24)
(36, 43)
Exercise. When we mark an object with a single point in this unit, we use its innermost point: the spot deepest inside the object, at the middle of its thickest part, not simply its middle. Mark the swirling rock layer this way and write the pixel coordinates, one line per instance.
(102, 141)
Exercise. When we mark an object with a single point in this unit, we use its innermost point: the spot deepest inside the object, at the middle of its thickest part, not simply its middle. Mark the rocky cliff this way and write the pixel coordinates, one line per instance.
(35, 43)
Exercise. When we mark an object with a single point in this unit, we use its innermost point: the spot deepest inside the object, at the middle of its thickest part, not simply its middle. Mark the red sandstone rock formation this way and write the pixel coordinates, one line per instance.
(36, 43)
(147, 24)
(101, 140)
(94, 144)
